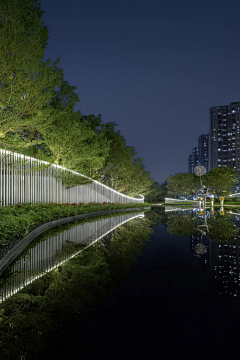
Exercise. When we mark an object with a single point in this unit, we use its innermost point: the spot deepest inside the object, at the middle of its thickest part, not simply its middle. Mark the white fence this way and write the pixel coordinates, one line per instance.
(235, 195)
(25, 179)
(178, 201)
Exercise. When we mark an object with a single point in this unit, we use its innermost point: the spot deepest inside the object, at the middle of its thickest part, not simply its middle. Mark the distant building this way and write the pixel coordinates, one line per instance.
(203, 150)
(224, 148)
(190, 164)
(193, 160)
(195, 157)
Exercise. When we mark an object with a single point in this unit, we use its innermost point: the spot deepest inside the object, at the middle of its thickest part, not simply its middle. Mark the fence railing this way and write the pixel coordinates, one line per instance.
(235, 195)
(25, 179)
(53, 252)
(178, 201)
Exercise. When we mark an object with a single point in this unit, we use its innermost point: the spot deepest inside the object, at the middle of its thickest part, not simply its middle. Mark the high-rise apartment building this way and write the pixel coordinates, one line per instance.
(224, 147)
(195, 158)
(190, 164)
(203, 151)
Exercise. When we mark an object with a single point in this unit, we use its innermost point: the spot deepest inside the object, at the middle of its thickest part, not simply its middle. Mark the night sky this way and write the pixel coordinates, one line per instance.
(153, 67)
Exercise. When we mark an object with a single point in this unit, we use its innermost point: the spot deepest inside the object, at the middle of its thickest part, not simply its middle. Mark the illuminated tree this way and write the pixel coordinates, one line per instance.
(27, 83)
(221, 180)
(72, 143)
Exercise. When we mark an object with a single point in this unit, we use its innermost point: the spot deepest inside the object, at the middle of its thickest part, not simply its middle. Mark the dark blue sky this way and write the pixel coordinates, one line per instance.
(153, 67)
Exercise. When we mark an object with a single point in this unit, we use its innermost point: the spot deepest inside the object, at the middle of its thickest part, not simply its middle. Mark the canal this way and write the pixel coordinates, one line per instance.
(124, 286)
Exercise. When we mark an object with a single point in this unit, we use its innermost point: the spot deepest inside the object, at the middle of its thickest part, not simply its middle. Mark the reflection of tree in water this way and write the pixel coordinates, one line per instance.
(222, 229)
(45, 309)
(183, 225)
(156, 215)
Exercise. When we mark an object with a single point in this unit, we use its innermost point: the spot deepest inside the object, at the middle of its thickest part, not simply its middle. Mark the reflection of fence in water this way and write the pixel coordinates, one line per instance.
(46, 255)
(25, 179)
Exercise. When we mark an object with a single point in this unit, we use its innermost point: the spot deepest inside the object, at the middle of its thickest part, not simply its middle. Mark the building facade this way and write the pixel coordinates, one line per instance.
(224, 137)
(190, 164)
(203, 151)
(193, 160)
(195, 157)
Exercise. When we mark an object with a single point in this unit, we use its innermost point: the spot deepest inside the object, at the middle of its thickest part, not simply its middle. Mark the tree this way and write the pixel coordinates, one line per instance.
(182, 225)
(27, 83)
(155, 193)
(37, 108)
(163, 191)
(182, 184)
(138, 181)
(220, 180)
(118, 166)
(222, 229)
(122, 170)
(74, 144)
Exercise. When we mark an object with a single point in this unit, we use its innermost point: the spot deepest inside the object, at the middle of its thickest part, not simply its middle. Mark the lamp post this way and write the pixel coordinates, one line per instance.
(221, 205)
(212, 205)
(200, 171)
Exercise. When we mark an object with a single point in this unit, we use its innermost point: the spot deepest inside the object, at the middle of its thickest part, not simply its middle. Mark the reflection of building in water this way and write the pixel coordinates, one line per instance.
(225, 268)
(223, 260)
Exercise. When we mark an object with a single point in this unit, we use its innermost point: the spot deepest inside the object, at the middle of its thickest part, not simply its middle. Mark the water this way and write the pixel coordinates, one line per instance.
(47, 253)
(172, 296)
(169, 298)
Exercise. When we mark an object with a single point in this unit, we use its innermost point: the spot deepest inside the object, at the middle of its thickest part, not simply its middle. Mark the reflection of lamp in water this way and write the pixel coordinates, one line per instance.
(200, 249)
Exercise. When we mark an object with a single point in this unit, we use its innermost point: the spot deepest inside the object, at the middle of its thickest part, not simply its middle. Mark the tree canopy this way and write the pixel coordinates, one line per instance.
(123, 170)
(37, 109)
(221, 180)
(27, 83)
(182, 184)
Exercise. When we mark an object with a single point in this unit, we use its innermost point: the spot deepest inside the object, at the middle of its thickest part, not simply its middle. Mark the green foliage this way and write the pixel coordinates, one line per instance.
(221, 180)
(32, 317)
(182, 184)
(17, 221)
(182, 225)
(27, 82)
(37, 110)
(70, 180)
(123, 171)
(163, 191)
(156, 215)
(154, 193)
(221, 229)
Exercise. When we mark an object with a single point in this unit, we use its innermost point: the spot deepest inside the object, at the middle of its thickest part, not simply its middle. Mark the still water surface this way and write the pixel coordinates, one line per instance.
(172, 296)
